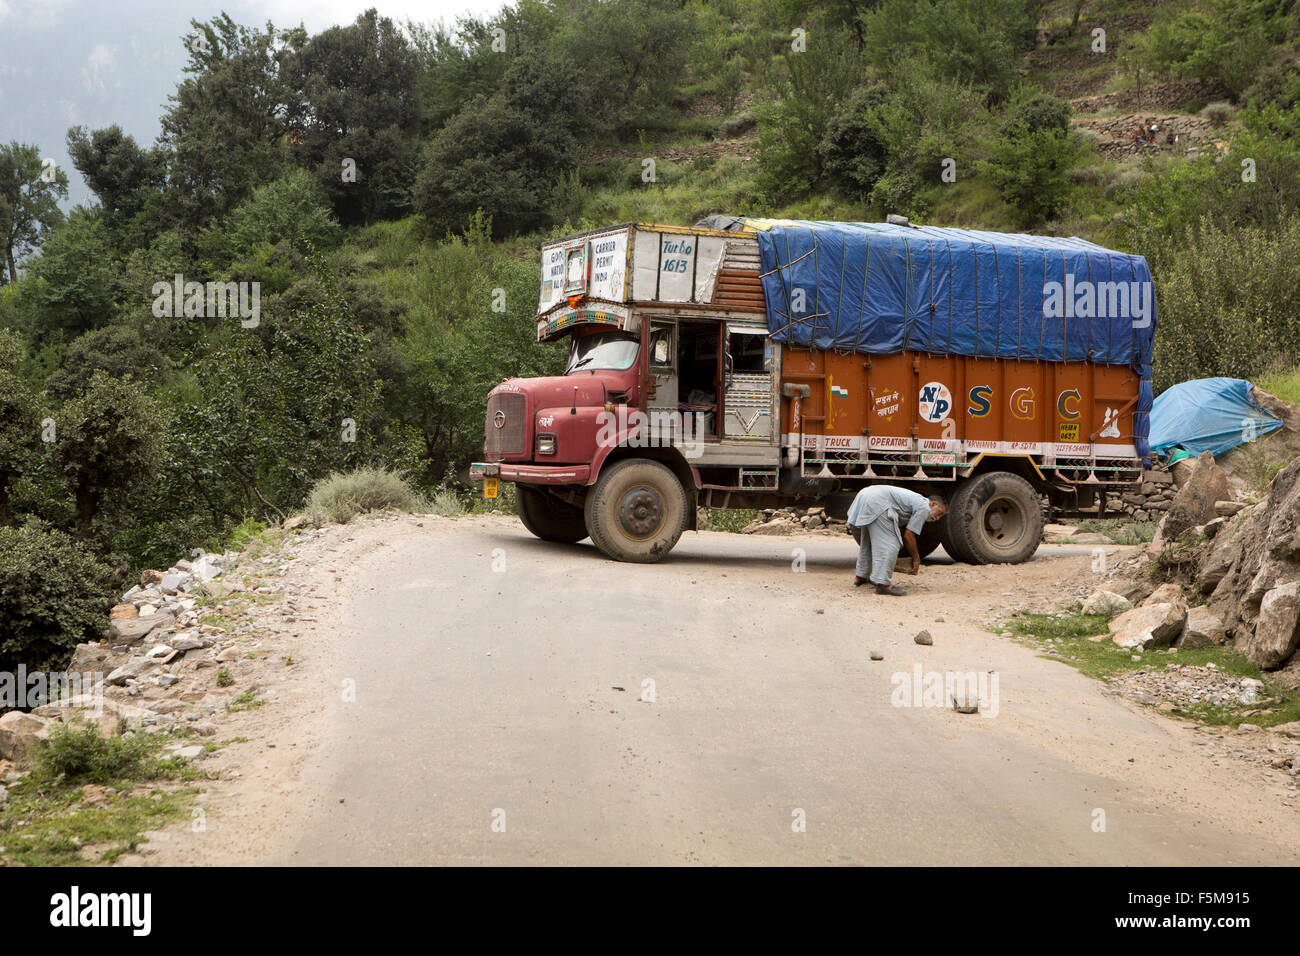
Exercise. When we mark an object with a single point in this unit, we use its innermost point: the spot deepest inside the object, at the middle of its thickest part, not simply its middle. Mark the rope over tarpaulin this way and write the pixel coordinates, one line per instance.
(881, 289)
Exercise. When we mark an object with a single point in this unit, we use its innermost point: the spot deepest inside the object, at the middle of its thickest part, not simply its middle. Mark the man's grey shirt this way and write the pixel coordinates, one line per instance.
(904, 507)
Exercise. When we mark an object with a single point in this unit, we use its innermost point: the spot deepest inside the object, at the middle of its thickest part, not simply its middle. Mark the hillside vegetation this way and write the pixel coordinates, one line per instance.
(387, 186)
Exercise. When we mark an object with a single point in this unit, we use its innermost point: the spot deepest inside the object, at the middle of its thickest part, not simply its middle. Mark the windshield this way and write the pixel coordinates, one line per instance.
(603, 350)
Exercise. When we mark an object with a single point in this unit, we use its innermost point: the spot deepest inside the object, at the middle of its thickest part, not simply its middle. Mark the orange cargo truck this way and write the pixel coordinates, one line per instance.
(749, 363)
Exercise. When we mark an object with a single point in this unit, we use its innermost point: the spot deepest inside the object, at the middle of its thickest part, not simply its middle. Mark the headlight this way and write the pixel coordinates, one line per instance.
(546, 444)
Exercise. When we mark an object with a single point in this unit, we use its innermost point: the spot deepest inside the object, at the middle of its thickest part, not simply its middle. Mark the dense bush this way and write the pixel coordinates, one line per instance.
(53, 596)
(344, 495)
(108, 447)
(1030, 168)
(76, 754)
(19, 423)
(1222, 41)
(1229, 302)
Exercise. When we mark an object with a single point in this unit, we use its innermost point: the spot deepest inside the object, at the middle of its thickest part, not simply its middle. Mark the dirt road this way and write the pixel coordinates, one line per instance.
(467, 694)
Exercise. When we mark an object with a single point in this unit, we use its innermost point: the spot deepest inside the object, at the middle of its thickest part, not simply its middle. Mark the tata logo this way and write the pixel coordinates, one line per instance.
(981, 401)
(936, 401)
(1067, 404)
(1022, 403)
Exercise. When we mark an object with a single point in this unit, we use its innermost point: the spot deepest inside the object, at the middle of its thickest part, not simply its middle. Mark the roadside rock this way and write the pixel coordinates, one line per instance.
(19, 733)
(923, 638)
(91, 658)
(1194, 503)
(1277, 630)
(1106, 602)
(1151, 625)
(1202, 629)
(134, 668)
(133, 630)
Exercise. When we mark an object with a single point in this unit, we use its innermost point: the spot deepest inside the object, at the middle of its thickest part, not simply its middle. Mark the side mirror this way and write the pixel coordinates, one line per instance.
(660, 353)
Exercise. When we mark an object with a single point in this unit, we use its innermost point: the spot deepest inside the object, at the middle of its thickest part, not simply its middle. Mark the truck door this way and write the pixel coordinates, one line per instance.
(661, 366)
(747, 397)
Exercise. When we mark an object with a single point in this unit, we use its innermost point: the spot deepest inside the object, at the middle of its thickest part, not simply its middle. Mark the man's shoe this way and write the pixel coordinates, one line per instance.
(858, 582)
(890, 590)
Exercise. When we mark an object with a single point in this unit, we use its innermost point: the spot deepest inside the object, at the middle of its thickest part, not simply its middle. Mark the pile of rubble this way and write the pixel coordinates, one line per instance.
(792, 520)
(159, 666)
(1187, 686)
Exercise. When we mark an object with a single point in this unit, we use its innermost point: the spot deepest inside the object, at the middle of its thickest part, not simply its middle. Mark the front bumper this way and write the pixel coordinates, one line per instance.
(531, 474)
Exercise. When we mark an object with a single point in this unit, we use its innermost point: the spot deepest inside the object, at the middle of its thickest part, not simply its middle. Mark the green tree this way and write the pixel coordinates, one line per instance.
(117, 170)
(279, 407)
(291, 209)
(75, 277)
(117, 350)
(976, 43)
(20, 442)
(54, 595)
(108, 449)
(504, 154)
(1029, 168)
(29, 202)
(355, 104)
(226, 124)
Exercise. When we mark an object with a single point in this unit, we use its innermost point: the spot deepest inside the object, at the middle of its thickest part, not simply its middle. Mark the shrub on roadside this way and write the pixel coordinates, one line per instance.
(79, 753)
(53, 596)
(344, 495)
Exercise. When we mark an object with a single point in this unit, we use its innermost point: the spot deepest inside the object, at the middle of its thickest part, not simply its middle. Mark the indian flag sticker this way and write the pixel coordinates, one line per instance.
(838, 392)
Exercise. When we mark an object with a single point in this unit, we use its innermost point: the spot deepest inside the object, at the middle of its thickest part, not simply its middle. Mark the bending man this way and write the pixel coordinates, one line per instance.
(884, 518)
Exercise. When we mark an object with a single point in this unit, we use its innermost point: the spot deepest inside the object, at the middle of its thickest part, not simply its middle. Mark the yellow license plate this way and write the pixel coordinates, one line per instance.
(490, 487)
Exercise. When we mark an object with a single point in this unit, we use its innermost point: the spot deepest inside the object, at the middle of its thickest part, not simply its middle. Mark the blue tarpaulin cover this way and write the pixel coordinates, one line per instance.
(1208, 414)
(882, 288)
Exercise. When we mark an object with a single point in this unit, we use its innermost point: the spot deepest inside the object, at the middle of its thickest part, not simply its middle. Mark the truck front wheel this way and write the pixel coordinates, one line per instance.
(548, 517)
(637, 511)
(995, 518)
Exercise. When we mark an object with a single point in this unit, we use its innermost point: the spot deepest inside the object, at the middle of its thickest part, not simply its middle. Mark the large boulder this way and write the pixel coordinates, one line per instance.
(1259, 552)
(1106, 602)
(1194, 503)
(92, 658)
(1148, 626)
(1203, 628)
(19, 733)
(133, 630)
(1277, 629)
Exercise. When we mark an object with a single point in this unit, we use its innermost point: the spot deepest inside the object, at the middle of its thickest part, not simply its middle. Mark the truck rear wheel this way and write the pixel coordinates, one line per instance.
(637, 511)
(951, 544)
(548, 517)
(995, 518)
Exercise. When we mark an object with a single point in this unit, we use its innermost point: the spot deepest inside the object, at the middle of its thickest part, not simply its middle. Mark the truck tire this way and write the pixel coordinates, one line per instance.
(996, 518)
(950, 543)
(926, 542)
(548, 517)
(636, 511)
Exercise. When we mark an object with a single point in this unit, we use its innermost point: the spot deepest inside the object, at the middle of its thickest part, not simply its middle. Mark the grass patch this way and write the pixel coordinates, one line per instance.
(1064, 637)
(51, 828)
(1284, 383)
(248, 700)
(344, 495)
(728, 519)
(1120, 530)
(47, 821)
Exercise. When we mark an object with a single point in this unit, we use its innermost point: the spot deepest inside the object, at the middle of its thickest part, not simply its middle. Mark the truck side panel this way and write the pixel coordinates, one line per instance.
(941, 405)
